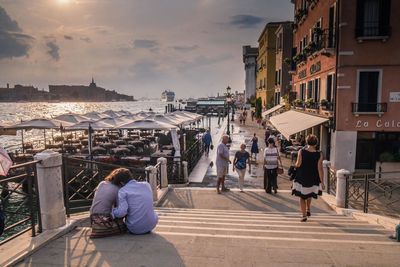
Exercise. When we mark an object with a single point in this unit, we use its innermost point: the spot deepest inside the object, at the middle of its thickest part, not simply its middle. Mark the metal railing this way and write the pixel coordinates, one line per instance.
(175, 171)
(331, 183)
(20, 201)
(369, 107)
(375, 191)
(194, 154)
(81, 178)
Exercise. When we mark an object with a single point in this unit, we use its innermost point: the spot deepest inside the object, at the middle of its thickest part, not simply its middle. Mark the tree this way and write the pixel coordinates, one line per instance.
(258, 108)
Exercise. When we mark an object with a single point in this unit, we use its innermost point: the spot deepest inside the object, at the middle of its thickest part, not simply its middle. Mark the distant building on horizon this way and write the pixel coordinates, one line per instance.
(21, 93)
(91, 93)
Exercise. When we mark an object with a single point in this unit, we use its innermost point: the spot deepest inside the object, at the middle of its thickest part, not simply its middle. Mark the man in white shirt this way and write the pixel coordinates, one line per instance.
(222, 163)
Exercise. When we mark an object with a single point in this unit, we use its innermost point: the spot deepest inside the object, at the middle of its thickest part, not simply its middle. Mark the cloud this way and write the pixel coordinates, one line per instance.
(53, 49)
(67, 37)
(85, 39)
(13, 43)
(145, 43)
(246, 21)
(183, 48)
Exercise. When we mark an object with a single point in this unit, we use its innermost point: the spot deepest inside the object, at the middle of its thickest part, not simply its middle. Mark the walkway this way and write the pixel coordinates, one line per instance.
(197, 227)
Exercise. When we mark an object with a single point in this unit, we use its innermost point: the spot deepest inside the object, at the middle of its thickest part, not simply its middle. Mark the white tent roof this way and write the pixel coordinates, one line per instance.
(84, 125)
(111, 113)
(71, 117)
(165, 119)
(114, 121)
(292, 122)
(95, 115)
(40, 124)
(147, 125)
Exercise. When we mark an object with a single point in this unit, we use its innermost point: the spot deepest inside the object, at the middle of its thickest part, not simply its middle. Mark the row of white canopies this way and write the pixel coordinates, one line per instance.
(112, 120)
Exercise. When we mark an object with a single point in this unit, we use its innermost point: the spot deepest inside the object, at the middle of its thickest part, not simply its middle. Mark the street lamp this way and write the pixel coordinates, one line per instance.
(228, 102)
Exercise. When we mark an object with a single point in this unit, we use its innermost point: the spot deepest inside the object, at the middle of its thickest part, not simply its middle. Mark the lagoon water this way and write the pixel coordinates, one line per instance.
(15, 112)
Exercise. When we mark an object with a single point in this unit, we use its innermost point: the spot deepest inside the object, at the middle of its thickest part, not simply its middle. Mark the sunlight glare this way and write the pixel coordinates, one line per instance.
(63, 2)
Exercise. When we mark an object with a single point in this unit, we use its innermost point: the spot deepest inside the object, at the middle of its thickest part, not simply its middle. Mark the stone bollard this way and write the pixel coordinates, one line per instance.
(185, 171)
(152, 181)
(50, 185)
(326, 166)
(341, 176)
(164, 172)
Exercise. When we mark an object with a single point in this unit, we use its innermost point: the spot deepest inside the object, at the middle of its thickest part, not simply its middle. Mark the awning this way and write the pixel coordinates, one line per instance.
(292, 122)
(272, 110)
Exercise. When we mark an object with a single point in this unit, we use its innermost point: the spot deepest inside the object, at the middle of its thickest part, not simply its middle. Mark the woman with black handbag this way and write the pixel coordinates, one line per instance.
(308, 182)
(272, 167)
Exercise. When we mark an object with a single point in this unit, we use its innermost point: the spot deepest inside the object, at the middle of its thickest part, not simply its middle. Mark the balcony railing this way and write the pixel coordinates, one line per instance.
(369, 107)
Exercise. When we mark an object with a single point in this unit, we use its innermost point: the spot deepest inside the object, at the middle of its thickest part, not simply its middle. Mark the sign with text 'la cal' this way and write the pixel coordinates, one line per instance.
(394, 97)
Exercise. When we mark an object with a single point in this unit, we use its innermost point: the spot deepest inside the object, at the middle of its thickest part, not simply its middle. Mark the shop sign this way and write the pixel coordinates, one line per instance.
(394, 97)
(315, 67)
(379, 124)
(302, 74)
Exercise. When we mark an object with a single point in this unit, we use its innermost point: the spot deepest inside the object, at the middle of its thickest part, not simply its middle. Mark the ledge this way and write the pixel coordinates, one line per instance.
(372, 38)
(368, 113)
(384, 221)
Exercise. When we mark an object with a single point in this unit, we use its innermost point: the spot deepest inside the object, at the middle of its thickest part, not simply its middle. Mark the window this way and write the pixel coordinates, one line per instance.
(265, 83)
(302, 91)
(373, 18)
(368, 91)
(276, 77)
(316, 91)
(310, 89)
(329, 88)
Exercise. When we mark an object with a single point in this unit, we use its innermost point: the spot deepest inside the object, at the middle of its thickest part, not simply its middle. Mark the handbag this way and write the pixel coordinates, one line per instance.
(279, 170)
(211, 146)
(292, 172)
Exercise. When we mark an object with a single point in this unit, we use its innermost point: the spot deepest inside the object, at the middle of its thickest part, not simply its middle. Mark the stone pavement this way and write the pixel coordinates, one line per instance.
(243, 134)
(197, 227)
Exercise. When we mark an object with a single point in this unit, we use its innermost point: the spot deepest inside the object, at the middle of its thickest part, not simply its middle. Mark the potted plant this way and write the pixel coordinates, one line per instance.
(324, 103)
(288, 61)
(310, 103)
(298, 103)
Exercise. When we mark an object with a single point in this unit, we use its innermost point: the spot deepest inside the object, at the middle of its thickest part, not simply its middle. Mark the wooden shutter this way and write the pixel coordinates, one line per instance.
(360, 18)
(384, 22)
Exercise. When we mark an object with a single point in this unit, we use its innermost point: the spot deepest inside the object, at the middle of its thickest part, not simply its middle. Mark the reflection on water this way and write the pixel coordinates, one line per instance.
(15, 112)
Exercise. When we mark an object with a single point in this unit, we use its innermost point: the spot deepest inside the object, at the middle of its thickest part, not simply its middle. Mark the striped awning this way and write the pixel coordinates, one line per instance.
(272, 110)
(292, 122)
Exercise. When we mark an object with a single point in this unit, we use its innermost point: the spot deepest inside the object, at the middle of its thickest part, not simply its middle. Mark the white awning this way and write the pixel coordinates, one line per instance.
(292, 122)
(272, 110)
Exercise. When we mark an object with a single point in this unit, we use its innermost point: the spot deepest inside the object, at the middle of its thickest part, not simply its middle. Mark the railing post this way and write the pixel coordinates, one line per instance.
(50, 185)
(152, 181)
(164, 173)
(341, 187)
(326, 164)
(185, 171)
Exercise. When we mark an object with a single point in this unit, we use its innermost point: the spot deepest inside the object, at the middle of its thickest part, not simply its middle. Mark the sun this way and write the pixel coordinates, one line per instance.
(63, 2)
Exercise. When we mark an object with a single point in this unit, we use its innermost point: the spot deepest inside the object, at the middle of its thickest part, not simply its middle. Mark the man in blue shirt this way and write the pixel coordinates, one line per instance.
(135, 201)
(207, 140)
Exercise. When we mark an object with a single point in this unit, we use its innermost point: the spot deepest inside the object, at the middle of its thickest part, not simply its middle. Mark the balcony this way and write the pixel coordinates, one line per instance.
(300, 16)
(369, 108)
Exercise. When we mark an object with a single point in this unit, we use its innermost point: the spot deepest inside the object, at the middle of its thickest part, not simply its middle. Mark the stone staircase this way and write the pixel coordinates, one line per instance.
(320, 229)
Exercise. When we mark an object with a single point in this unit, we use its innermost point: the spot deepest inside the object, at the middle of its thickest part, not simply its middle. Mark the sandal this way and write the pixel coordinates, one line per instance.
(308, 213)
(304, 219)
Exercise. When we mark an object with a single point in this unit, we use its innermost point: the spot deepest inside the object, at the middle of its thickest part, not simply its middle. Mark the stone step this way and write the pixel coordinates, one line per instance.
(241, 212)
(305, 227)
(289, 217)
(295, 235)
(275, 221)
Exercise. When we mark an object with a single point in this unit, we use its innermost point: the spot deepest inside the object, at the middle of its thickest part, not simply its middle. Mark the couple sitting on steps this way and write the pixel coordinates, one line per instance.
(121, 203)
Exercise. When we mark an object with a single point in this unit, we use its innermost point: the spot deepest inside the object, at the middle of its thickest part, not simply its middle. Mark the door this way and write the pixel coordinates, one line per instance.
(365, 154)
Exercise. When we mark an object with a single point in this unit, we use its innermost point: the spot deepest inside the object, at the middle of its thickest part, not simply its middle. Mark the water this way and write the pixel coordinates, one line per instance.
(15, 112)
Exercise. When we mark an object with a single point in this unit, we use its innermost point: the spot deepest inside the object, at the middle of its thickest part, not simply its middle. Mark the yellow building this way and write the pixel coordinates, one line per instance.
(266, 61)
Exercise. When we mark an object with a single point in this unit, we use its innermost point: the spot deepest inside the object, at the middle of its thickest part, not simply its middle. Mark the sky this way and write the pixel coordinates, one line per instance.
(136, 47)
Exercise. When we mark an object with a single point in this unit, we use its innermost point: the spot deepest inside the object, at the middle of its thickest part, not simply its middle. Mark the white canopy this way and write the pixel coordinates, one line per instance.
(272, 110)
(147, 125)
(292, 122)
(84, 125)
(164, 119)
(95, 115)
(114, 121)
(40, 124)
(111, 113)
(71, 117)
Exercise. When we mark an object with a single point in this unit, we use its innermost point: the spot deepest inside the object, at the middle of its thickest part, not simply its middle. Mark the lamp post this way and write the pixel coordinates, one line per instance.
(228, 102)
